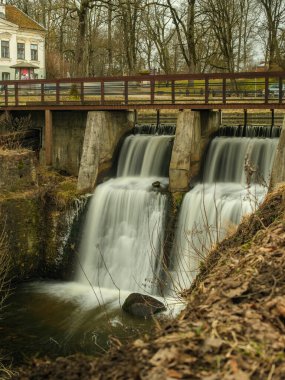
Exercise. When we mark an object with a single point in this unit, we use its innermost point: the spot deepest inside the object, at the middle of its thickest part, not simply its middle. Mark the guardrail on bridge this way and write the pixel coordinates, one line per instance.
(199, 91)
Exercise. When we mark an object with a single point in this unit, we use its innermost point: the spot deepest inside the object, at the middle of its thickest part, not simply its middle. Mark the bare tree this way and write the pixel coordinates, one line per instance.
(184, 20)
(159, 35)
(274, 12)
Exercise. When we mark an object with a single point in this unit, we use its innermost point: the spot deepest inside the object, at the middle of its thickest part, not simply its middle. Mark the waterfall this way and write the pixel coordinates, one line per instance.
(249, 131)
(123, 236)
(145, 156)
(120, 252)
(151, 129)
(235, 180)
(227, 157)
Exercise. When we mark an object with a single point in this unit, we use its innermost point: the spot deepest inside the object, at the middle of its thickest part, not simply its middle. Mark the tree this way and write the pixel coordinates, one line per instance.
(274, 12)
(159, 35)
(184, 20)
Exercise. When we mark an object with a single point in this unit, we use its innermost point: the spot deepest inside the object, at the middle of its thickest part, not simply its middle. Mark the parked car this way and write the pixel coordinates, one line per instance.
(273, 89)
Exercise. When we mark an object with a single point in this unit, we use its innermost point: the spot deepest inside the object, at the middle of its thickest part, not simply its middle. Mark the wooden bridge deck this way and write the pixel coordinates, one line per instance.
(250, 90)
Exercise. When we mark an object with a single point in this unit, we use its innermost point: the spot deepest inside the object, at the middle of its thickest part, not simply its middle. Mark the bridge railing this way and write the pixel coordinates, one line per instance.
(201, 90)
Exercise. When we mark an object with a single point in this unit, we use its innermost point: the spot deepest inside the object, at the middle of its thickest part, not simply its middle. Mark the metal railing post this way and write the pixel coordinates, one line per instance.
(224, 91)
(57, 94)
(17, 94)
(266, 90)
(152, 83)
(206, 90)
(6, 95)
(102, 92)
(42, 92)
(82, 92)
(173, 92)
(126, 91)
(280, 98)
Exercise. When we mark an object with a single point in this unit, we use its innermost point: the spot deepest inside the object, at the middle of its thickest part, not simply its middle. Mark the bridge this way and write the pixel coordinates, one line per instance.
(248, 90)
(70, 140)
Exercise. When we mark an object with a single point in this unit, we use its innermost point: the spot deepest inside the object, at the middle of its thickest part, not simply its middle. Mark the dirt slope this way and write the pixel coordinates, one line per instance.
(233, 327)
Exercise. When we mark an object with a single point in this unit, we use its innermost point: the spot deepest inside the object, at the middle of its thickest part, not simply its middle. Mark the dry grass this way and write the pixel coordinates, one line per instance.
(5, 262)
(4, 267)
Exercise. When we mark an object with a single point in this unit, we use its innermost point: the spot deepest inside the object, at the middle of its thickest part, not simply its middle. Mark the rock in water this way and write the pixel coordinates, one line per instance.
(141, 305)
(156, 184)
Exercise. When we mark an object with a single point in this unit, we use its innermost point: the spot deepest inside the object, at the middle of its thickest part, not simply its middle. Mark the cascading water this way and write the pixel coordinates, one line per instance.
(121, 249)
(120, 253)
(235, 180)
(122, 244)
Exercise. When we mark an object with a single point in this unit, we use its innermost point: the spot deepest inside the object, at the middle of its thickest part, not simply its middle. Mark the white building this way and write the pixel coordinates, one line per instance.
(22, 43)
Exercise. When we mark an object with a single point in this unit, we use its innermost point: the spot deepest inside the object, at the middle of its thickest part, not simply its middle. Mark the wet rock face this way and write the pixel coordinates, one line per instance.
(141, 305)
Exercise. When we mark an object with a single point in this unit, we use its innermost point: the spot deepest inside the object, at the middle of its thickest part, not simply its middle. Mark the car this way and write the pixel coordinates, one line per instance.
(273, 89)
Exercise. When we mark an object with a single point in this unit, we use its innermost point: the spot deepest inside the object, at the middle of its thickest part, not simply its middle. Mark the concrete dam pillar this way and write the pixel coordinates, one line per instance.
(278, 168)
(104, 130)
(193, 131)
(48, 137)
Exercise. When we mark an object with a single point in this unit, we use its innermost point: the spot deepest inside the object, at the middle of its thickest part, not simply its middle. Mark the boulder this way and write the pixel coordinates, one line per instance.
(141, 305)
(156, 184)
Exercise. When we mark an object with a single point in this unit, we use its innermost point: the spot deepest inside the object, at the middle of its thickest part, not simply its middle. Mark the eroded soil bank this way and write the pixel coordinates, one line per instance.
(232, 328)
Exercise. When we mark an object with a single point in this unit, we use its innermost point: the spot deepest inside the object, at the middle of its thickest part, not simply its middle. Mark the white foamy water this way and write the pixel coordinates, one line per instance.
(145, 156)
(122, 241)
(122, 245)
(212, 208)
(227, 157)
(88, 297)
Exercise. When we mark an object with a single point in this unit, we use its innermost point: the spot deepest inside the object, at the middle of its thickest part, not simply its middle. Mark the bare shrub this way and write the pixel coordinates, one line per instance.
(5, 264)
(12, 130)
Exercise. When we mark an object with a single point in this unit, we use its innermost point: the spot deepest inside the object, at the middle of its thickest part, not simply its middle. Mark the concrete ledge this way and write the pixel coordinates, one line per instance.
(193, 131)
(103, 131)
(278, 169)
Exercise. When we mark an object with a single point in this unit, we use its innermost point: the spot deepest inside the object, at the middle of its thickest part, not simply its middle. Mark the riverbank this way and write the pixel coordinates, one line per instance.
(233, 325)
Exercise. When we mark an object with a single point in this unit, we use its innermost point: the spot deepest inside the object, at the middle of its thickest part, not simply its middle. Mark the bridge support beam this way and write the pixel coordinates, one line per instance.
(48, 137)
(193, 132)
(103, 132)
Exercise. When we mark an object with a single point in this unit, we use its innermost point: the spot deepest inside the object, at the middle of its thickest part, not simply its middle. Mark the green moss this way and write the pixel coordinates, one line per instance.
(246, 246)
(20, 164)
(177, 200)
(34, 217)
(21, 219)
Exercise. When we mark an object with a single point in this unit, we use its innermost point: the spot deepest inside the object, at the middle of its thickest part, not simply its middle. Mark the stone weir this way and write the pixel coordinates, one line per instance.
(104, 130)
(36, 203)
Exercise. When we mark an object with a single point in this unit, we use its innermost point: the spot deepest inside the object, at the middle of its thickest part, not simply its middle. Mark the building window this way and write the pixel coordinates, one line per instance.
(5, 53)
(20, 51)
(34, 52)
(5, 76)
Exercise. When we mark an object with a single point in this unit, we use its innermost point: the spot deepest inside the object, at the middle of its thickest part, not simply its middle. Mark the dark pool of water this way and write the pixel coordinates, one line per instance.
(53, 319)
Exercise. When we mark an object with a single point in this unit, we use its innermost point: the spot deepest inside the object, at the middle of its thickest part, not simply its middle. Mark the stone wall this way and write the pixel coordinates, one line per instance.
(68, 136)
(68, 129)
(37, 208)
(103, 132)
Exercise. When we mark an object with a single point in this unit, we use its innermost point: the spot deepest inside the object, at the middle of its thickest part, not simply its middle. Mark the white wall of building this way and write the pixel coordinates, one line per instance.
(13, 34)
